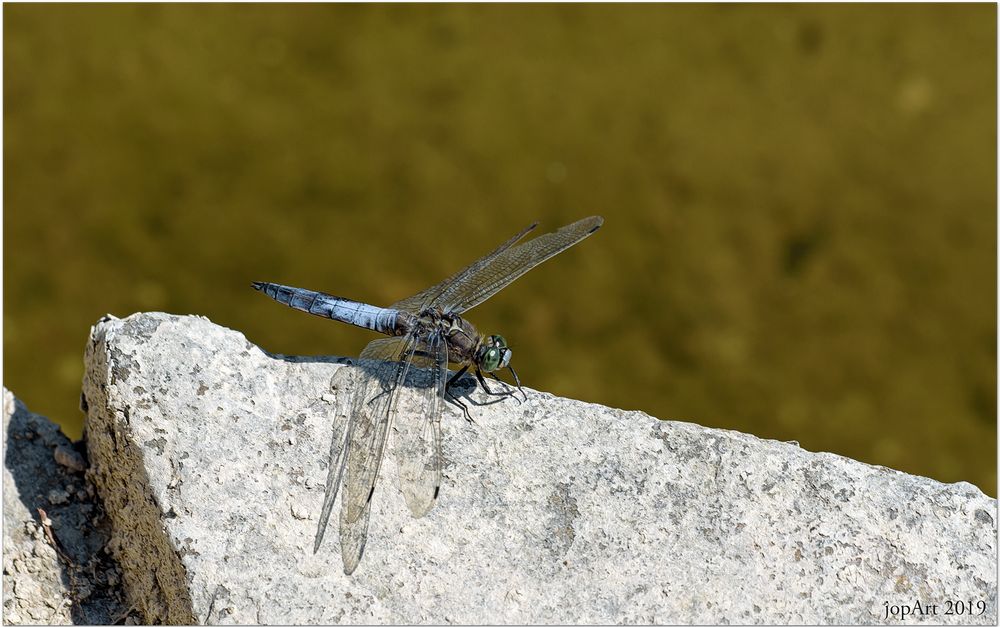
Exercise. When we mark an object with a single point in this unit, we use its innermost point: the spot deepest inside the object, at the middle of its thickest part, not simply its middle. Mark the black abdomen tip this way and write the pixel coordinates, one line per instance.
(258, 285)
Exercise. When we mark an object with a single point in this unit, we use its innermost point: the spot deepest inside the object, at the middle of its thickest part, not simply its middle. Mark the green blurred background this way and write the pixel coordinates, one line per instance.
(800, 200)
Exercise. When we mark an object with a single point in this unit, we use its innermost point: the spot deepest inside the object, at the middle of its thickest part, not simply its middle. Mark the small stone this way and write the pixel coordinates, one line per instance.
(58, 497)
(83, 589)
(300, 512)
(70, 458)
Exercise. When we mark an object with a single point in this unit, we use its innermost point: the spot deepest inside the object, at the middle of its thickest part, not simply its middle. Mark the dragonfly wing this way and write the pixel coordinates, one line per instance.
(417, 425)
(419, 302)
(500, 270)
(377, 384)
(343, 385)
(369, 387)
(353, 537)
(386, 349)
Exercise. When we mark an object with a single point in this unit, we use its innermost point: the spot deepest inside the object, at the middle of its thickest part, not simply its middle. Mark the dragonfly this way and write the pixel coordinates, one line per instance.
(401, 382)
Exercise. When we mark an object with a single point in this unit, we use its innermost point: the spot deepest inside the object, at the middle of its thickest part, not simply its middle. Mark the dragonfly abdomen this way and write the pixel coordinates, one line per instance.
(333, 307)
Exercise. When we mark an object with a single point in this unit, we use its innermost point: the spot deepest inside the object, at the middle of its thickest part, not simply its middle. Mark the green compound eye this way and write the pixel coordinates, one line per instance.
(498, 341)
(490, 360)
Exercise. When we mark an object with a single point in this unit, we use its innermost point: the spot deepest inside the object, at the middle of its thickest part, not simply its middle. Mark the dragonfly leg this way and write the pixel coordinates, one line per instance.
(482, 382)
(507, 385)
(454, 400)
(455, 377)
(517, 382)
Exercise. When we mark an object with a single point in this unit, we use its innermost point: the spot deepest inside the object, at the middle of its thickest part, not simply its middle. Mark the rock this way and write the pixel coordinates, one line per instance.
(58, 497)
(73, 584)
(69, 457)
(211, 458)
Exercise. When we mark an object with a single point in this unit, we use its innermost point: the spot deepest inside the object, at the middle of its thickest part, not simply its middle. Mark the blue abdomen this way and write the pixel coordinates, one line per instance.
(333, 307)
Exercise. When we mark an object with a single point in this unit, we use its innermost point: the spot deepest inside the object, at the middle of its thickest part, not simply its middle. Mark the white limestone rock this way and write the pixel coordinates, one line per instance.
(211, 457)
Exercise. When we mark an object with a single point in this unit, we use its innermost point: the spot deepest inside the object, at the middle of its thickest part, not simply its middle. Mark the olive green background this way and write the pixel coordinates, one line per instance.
(800, 200)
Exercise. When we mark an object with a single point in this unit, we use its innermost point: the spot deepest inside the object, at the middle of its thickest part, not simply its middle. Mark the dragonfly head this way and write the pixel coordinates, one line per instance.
(493, 354)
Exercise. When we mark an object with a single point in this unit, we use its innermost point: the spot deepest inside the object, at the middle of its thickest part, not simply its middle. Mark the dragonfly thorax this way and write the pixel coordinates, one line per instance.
(493, 354)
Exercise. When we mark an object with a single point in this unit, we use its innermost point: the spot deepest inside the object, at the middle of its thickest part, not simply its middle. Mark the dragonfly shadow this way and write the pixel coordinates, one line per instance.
(309, 359)
(460, 391)
(463, 390)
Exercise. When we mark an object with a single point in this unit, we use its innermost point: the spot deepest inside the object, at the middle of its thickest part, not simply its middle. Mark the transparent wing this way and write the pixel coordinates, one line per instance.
(377, 384)
(417, 425)
(343, 386)
(363, 393)
(353, 537)
(419, 302)
(387, 392)
(499, 270)
(386, 349)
